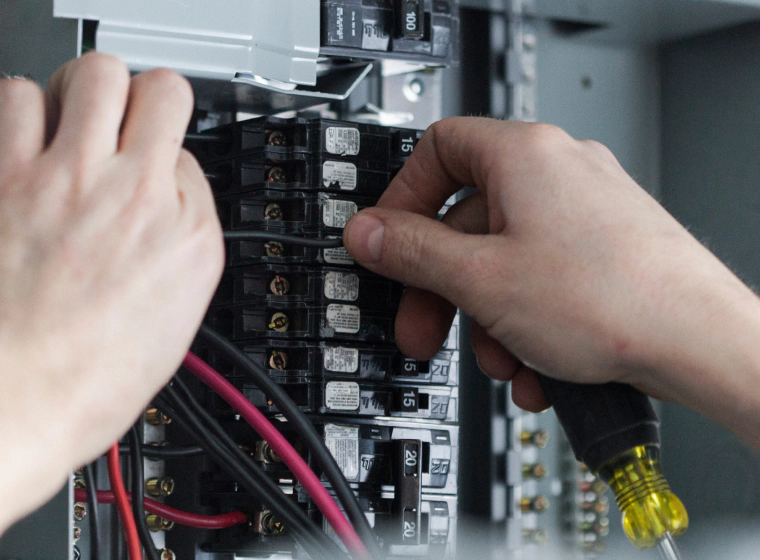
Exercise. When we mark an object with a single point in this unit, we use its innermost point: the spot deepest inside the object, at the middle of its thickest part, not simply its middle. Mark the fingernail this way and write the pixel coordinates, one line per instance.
(365, 239)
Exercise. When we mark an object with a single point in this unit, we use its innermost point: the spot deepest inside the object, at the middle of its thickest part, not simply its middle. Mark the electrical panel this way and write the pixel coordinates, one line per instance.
(322, 328)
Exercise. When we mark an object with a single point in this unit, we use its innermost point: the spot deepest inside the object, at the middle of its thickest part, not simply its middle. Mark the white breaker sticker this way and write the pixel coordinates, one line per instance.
(342, 395)
(344, 318)
(338, 255)
(341, 286)
(336, 213)
(339, 174)
(342, 141)
(343, 443)
(339, 359)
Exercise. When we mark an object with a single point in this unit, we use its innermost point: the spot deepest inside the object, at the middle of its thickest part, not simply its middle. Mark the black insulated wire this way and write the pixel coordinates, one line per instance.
(201, 137)
(190, 417)
(160, 452)
(283, 238)
(92, 510)
(202, 414)
(137, 479)
(305, 430)
(224, 458)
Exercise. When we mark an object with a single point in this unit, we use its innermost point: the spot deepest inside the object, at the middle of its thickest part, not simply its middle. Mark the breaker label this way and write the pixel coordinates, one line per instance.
(344, 318)
(342, 141)
(339, 175)
(342, 395)
(341, 286)
(342, 360)
(336, 213)
(343, 443)
(338, 255)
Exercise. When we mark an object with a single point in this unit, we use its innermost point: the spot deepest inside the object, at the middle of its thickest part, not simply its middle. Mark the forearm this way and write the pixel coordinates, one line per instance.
(30, 476)
(712, 360)
(36, 436)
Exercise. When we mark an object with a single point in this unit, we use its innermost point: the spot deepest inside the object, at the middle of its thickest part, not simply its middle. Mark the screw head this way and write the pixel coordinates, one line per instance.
(276, 138)
(274, 249)
(276, 175)
(279, 285)
(279, 322)
(273, 212)
(278, 360)
(80, 511)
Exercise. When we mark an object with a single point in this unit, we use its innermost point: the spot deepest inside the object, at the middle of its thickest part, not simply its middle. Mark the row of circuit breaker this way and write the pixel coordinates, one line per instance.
(323, 328)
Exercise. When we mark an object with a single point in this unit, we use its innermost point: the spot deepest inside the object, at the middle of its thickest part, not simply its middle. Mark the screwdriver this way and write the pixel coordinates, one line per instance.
(614, 430)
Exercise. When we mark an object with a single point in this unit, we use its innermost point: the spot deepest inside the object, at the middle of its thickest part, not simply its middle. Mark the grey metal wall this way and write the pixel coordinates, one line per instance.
(711, 183)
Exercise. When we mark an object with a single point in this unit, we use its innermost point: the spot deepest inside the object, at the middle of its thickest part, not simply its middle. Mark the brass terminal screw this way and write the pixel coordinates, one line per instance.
(167, 554)
(536, 536)
(596, 486)
(156, 523)
(155, 417)
(278, 360)
(534, 470)
(539, 438)
(276, 175)
(270, 525)
(160, 487)
(600, 527)
(79, 483)
(279, 285)
(265, 453)
(80, 511)
(279, 322)
(77, 533)
(538, 504)
(273, 211)
(276, 138)
(274, 249)
(600, 506)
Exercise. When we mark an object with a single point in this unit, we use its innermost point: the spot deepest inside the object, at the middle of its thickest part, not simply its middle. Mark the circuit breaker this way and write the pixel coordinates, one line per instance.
(323, 329)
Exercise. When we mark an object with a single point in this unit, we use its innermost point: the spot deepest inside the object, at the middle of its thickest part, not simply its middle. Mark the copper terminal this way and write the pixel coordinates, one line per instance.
(276, 138)
(276, 175)
(279, 285)
(156, 523)
(278, 360)
(273, 211)
(279, 322)
(538, 504)
(274, 249)
(160, 487)
(155, 417)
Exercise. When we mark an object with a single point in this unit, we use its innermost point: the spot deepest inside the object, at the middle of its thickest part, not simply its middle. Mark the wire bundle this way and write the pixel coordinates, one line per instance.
(303, 428)
(177, 401)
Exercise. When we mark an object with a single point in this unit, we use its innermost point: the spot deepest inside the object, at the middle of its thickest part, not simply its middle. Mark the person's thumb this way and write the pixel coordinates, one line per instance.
(415, 250)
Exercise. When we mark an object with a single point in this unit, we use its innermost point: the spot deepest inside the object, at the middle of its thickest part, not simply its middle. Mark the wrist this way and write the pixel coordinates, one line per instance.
(35, 439)
(709, 358)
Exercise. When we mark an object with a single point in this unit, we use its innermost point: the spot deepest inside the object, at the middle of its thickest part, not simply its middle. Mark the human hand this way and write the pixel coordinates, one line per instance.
(110, 250)
(567, 266)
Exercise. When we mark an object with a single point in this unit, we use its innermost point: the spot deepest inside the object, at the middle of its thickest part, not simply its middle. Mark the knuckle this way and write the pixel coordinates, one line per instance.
(103, 69)
(600, 149)
(542, 138)
(188, 163)
(169, 83)
(18, 92)
(409, 255)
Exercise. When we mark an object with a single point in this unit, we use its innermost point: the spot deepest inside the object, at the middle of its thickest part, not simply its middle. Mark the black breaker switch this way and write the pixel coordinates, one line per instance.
(408, 490)
(410, 19)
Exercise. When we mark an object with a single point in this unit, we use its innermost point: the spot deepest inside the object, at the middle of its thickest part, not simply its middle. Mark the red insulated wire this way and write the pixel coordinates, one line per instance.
(283, 448)
(177, 516)
(122, 503)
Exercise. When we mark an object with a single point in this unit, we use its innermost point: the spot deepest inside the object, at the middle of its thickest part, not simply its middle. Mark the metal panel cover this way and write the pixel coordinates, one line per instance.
(274, 39)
